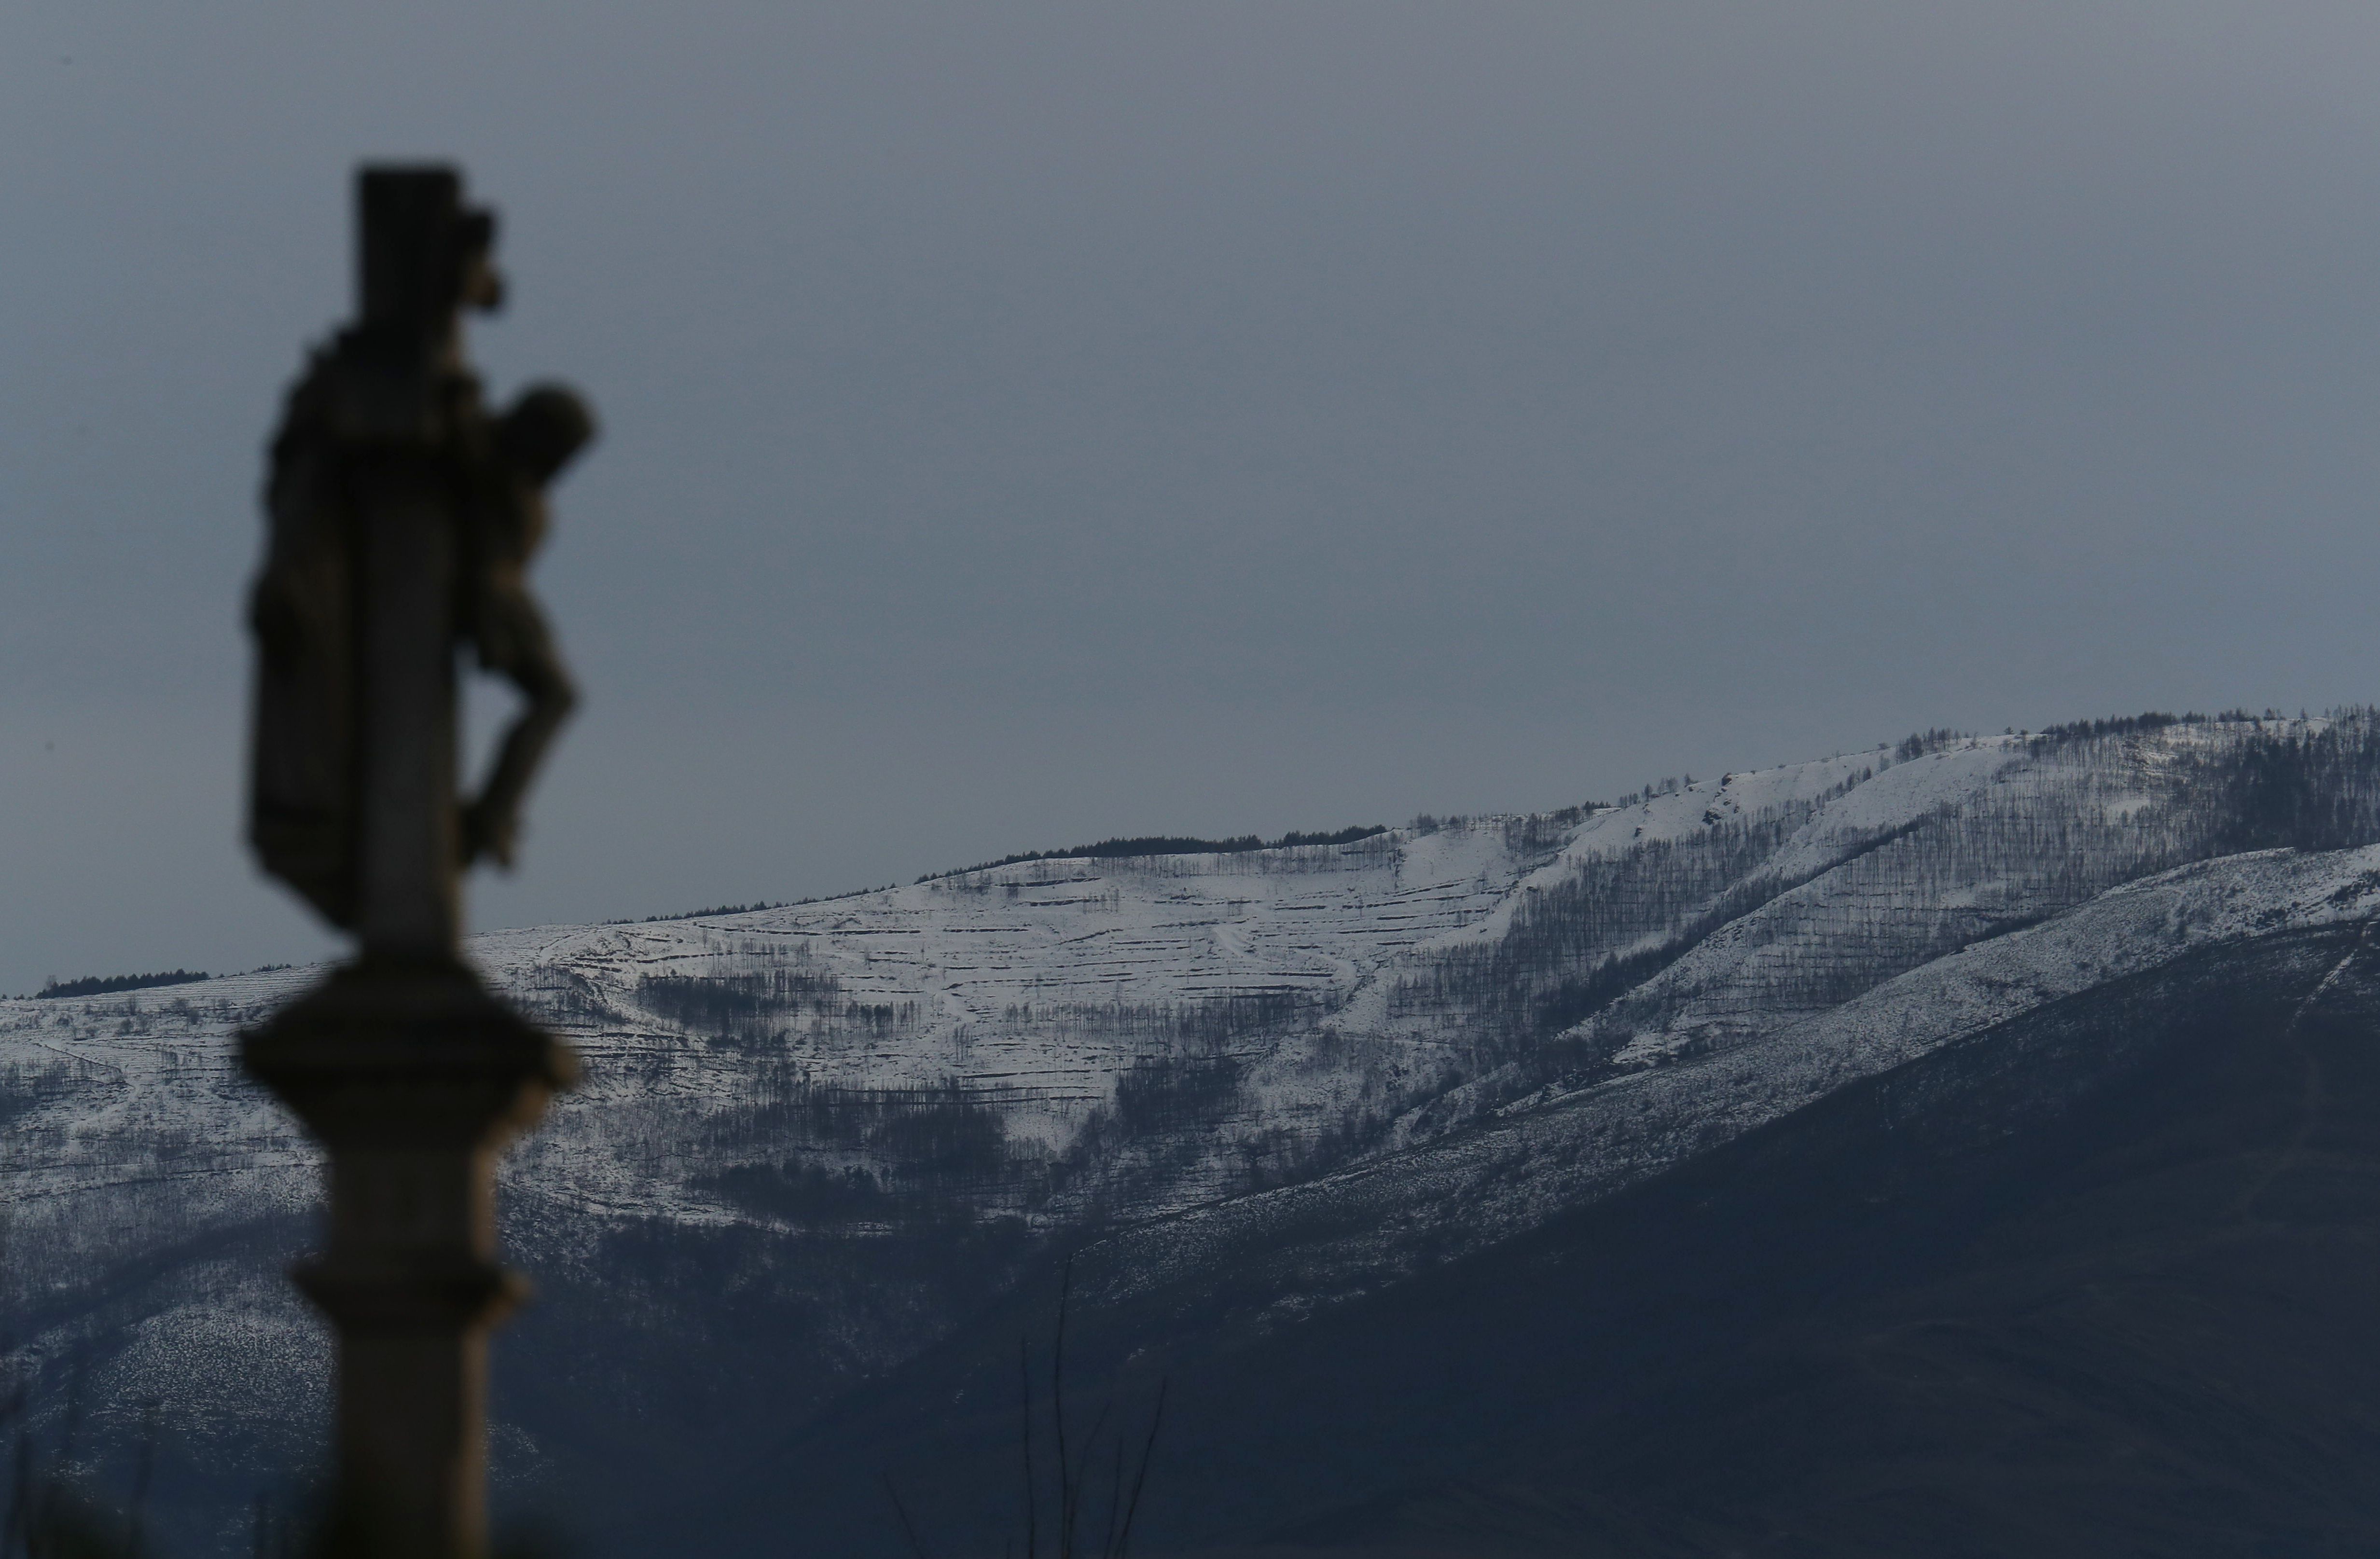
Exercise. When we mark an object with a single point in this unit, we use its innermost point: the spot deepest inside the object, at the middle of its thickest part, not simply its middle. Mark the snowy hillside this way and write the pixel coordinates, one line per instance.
(1408, 1046)
(1572, 1142)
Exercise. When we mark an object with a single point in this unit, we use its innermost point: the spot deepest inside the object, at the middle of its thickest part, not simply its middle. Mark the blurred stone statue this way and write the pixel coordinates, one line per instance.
(390, 398)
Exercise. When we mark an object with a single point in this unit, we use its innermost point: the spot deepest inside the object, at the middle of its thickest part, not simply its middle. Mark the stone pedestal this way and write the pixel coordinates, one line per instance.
(414, 1076)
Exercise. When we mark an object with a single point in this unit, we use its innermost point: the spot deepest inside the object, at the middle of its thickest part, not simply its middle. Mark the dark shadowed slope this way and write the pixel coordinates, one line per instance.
(2105, 1284)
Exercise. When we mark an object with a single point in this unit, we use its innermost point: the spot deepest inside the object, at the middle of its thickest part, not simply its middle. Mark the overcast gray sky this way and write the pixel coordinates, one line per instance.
(1028, 423)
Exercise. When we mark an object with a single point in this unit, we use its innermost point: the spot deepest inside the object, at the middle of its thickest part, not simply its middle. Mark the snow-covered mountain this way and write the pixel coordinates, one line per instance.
(1319, 1069)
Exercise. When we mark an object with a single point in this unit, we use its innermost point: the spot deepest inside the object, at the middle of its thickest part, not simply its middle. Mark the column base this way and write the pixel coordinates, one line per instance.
(413, 1074)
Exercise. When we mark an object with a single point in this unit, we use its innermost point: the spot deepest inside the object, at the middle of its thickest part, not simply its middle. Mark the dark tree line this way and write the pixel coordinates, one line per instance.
(103, 985)
(1173, 844)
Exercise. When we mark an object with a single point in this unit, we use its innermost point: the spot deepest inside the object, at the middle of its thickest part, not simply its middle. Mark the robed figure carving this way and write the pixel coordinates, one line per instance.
(393, 390)
(402, 519)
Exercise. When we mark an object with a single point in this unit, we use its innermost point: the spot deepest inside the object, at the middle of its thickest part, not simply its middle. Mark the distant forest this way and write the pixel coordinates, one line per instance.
(1171, 844)
(101, 984)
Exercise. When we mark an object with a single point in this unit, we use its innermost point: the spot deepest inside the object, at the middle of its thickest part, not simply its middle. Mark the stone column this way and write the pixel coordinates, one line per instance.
(388, 483)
